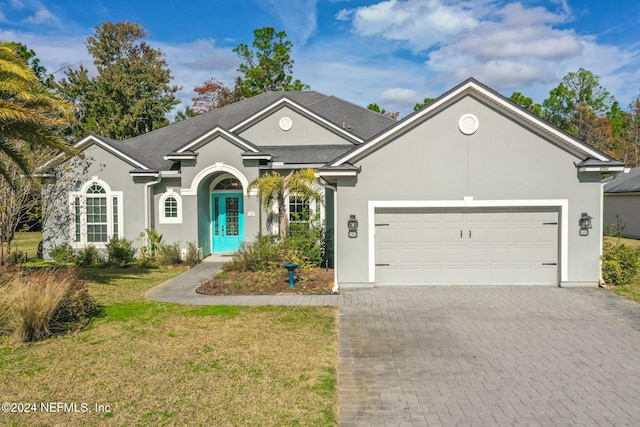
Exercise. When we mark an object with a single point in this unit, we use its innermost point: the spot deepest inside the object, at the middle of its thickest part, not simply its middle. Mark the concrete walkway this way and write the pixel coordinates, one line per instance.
(473, 356)
(182, 289)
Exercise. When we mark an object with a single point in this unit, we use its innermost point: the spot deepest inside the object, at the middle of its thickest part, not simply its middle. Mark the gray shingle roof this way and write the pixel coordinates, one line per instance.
(150, 148)
(305, 153)
(624, 182)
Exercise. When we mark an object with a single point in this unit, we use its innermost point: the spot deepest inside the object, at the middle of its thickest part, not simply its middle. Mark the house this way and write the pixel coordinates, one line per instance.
(471, 189)
(622, 204)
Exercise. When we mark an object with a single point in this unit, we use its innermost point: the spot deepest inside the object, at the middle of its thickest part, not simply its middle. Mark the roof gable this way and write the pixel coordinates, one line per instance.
(471, 87)
(309, 113)
(198, 142)
(151, 150)
(117, 148)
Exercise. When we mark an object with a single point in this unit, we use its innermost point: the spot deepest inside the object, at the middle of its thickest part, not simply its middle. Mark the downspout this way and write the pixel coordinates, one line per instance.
(325, 184)
(147, 210)
(600, 279)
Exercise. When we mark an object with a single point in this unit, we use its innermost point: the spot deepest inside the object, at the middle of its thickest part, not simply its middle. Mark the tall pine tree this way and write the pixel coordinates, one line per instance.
(131, 93)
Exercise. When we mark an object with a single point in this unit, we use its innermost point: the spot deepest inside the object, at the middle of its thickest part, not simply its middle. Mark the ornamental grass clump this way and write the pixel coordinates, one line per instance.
(39, 304)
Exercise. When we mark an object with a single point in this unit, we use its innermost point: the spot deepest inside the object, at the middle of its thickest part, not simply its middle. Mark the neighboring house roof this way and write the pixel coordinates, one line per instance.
(624, 183)
(472, 87)
(156, 150)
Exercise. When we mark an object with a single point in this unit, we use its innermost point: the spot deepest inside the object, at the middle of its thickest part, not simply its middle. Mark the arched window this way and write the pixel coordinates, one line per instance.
(229, 184)
(97, 214)
(170, 208)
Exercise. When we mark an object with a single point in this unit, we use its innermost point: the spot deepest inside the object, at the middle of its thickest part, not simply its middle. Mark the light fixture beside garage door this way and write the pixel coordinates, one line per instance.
(468, 124)
(585, 224)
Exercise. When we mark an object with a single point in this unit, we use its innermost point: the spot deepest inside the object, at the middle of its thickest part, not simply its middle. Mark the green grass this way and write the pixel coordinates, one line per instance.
(631, 291)
(118, 285)
(155, 363)
(26, 242)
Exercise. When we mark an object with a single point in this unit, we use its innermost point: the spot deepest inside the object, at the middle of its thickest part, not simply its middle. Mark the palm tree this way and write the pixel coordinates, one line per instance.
(273, 189)
(29, 112)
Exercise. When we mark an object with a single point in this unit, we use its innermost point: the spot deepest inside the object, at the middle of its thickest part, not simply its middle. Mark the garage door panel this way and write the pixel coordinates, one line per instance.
(426, 246)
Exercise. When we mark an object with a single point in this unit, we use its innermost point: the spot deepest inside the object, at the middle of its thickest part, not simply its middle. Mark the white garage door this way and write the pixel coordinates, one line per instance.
(471, 246)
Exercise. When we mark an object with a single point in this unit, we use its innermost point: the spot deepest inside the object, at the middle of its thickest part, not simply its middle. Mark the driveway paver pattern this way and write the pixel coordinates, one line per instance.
(487, 356)
(472, 356)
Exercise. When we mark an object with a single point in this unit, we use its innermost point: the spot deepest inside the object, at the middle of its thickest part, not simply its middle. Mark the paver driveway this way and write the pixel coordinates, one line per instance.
(484, 356)
(489, 356)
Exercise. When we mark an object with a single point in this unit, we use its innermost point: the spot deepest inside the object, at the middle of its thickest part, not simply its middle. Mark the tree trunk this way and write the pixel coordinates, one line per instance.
(282, 217)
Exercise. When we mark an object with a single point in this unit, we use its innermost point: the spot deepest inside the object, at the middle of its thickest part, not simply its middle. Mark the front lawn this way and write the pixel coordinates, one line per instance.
(26, 243)
(142, 362)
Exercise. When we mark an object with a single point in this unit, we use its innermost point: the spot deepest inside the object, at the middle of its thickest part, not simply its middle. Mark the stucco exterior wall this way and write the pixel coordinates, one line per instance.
(303, 131)
(215, 157)
(627, 207)
(502, 160)
(108, 168)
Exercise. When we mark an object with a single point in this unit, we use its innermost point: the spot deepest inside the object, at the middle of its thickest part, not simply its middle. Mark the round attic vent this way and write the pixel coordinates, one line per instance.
(286, 123)
(468, 124)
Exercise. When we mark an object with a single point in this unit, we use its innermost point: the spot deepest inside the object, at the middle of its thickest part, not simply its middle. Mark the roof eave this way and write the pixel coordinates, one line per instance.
(611, 169)
(143, 173)
(181, 156)
(256, 156)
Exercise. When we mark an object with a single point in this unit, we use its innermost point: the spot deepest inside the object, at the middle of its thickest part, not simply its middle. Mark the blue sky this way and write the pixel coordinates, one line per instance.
(392, 52)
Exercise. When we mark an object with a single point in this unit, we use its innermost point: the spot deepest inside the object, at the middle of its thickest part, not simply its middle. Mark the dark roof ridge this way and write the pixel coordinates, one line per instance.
(361, 107)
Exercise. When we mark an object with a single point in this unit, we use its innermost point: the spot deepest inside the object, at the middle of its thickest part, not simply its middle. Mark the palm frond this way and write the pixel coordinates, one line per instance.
(303, 183)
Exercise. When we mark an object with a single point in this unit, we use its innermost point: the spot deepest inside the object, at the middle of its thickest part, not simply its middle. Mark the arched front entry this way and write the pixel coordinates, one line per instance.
(221, 198)
(227, 213)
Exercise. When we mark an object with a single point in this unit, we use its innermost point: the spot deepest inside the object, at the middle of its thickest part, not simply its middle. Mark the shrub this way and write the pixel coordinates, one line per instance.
(39, 304)
(307, 240)
(266, 253)
(64, 254)
(17, 257)
(121, 251)
(169, 254)
(620, 263)
(88, 255)
(616, 229)
(193, 253)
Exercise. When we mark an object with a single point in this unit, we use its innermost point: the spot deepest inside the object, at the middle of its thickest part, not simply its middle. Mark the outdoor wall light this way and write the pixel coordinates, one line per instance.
(585, 224)
(352, 226)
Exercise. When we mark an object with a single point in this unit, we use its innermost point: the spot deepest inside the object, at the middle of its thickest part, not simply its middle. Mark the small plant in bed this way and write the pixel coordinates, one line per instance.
(257, 270)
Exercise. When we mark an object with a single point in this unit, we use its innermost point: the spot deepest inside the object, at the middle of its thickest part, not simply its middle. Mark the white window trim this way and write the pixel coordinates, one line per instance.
(162, 218)
(315, 207)
(82, 195)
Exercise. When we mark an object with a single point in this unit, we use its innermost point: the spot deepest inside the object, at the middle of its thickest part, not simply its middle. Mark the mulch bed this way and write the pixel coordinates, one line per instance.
(314, 281)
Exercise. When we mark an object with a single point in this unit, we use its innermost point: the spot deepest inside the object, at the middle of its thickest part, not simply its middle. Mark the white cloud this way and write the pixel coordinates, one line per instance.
(193, 63)
(421, 23)
(298, 17)
(399, 99)
(335, 69)
(56, 53)
(506, 45)
(42, 16)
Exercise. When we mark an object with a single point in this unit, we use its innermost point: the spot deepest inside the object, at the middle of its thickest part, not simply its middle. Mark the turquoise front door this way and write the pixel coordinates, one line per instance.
(227, 221)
